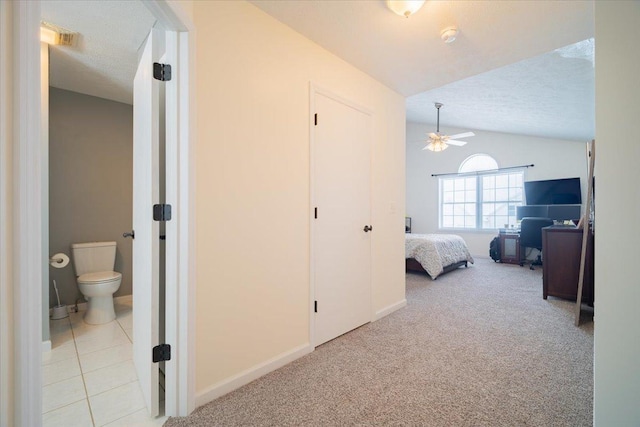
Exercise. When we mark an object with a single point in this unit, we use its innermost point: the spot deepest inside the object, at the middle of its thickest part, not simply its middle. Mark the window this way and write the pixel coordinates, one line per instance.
(480, 200)
(478, 162)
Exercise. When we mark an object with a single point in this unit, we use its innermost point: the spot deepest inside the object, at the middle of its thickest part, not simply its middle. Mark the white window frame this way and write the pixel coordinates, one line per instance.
(478, 202)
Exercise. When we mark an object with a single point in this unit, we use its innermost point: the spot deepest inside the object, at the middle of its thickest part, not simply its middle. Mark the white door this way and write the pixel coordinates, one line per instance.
(147, 234)
(342, 194)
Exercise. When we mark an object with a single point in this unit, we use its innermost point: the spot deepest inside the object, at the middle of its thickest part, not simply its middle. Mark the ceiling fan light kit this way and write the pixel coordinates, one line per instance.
(439, 142)
(449, 34)
(437, 146)
(405, 7)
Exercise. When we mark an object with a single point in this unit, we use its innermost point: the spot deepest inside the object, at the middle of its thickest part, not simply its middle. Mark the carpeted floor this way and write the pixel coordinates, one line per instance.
(476, 347)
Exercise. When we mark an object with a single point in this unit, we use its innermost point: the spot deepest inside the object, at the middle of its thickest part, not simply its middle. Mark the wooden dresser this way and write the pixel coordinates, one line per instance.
(561, 250)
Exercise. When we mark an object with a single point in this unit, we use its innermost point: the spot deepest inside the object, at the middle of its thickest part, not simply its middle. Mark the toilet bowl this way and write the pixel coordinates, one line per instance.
(96, 279)
(98, 289)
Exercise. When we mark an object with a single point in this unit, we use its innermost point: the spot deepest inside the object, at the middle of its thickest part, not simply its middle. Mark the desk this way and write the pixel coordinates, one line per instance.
(561, 250)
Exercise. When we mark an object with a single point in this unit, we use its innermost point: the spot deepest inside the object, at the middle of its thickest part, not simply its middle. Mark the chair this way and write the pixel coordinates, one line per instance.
(531, 237)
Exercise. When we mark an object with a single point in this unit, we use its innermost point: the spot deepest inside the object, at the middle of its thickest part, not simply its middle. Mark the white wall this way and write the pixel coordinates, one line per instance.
(552, 159)
(617, 283)
(253, 193)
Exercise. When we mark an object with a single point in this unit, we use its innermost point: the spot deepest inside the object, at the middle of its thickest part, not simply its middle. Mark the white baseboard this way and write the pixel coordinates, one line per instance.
(245, 377)
(389, 309)
(46, 346)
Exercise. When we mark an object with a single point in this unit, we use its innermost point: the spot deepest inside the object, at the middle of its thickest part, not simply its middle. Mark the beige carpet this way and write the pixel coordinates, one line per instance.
(476, 347)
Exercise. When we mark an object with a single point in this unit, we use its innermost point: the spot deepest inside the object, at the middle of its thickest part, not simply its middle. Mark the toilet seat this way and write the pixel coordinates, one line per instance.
(99, 277)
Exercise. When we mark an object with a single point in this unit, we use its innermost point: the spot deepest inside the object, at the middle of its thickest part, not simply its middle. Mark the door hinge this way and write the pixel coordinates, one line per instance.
(162, 212)
(315, 119)
(161, 353)
(315, 306)
(315, 213)
(161, 72)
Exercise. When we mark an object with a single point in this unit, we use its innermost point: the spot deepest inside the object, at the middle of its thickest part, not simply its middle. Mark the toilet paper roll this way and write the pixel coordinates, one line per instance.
(59, 260)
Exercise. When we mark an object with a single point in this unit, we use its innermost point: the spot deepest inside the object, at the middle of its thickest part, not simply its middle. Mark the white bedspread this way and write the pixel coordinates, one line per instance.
(436, 251)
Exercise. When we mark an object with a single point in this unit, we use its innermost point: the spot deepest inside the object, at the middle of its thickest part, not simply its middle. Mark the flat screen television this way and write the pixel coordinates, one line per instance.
(564, 191)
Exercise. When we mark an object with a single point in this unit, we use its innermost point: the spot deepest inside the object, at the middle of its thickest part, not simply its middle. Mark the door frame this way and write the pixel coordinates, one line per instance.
(21, 189)
(21, 201)
(313, 90)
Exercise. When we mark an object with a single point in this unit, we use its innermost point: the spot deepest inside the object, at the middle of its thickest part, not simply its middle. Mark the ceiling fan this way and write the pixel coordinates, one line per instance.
(439, 142)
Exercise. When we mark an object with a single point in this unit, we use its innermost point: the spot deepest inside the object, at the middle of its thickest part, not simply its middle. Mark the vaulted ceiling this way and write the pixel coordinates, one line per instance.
(514, 66)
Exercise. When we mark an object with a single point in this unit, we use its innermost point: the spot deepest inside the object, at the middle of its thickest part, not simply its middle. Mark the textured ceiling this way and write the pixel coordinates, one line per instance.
(104, 60)
(500, 74)
(550, 95)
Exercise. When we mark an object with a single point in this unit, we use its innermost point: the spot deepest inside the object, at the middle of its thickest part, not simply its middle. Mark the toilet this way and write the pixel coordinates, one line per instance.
(97, 281)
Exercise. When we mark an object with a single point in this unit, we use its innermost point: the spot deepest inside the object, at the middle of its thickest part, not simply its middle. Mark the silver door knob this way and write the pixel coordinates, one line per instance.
(132, 234)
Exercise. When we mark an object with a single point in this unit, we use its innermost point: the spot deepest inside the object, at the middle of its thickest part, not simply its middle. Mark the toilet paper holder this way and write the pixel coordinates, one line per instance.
(59, 260)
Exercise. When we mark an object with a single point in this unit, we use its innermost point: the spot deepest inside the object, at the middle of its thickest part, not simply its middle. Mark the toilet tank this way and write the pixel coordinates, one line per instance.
(93, 257)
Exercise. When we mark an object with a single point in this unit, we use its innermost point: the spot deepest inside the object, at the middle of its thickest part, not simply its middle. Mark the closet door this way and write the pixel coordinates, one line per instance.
(341, 239)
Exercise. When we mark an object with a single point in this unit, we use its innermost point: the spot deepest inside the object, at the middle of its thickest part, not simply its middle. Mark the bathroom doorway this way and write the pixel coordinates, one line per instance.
(90, 183)
(179, 400)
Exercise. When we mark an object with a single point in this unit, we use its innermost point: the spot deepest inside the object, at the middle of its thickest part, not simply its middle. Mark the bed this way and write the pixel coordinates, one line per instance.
(435, 254)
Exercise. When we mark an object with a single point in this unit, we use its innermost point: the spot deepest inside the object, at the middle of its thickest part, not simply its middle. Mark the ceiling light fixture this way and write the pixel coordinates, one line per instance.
(449, 34)
(54, 35)
(405, 7)
(437, 146)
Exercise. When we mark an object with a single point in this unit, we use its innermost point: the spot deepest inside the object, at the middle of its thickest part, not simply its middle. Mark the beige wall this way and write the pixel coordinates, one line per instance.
(90, 182)
(253, 195)
(617, 283)
(552, 159)
(8, 363)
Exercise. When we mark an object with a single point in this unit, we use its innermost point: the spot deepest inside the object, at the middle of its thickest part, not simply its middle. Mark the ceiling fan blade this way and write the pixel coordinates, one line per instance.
(462, 135)
(458, 143)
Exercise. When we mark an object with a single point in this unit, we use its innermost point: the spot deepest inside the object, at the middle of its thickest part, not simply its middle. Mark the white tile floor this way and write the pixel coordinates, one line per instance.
(88, 376)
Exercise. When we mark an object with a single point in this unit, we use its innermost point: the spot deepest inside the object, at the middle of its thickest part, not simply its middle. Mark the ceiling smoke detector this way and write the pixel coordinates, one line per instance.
(449, 34)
